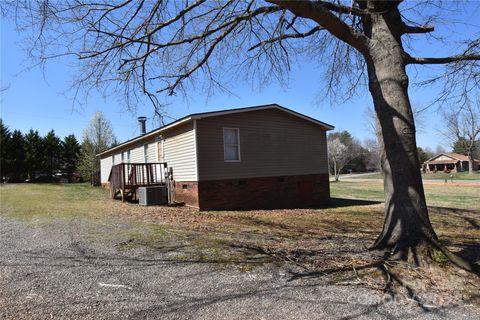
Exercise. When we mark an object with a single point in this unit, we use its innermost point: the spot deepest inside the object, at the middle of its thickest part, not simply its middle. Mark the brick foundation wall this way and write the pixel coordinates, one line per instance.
(187, 191)
(264, 193)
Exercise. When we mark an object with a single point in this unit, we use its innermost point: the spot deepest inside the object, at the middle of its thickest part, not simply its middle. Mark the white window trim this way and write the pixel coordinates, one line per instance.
(145, 153)
(238, 136)
(160, 150)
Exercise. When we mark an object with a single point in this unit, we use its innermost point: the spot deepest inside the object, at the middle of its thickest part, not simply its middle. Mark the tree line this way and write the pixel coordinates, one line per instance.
(31, 157)
(347, 154)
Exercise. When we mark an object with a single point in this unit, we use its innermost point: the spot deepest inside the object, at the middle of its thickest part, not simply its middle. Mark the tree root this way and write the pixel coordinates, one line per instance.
(456, 260)
(398, 252)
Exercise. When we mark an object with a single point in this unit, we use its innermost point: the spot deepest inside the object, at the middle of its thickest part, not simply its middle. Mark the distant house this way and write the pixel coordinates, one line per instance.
(257, 157)
(452, 162)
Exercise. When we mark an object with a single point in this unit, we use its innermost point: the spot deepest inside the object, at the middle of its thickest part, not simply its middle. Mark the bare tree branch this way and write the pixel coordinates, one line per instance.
(287, 36)
(443, 60)
(339, 8)
(417, 29)
(317, 12)
(463, 127)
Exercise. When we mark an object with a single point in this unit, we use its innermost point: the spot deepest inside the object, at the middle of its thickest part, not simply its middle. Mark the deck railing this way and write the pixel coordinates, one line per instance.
(132, 175)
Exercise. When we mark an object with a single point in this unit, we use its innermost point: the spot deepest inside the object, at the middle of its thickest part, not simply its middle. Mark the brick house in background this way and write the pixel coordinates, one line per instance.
(451, 162)
(257, 157)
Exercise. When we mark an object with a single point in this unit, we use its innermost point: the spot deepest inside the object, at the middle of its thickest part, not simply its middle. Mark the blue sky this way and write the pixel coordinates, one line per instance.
(38, 98)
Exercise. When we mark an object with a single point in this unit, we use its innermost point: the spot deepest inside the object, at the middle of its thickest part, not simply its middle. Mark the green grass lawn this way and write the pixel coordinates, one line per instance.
(327, 241)
(53, 200)
(322, 238)
(428, 176)
(456, 176)
(442, 195)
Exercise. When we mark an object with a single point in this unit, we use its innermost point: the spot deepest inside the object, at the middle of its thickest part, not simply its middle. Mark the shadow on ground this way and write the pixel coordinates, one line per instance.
(343, 202)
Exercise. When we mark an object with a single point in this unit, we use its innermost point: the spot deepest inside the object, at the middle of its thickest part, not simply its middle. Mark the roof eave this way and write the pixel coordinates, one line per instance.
(146, 136)
(199, 116)
(324, 125)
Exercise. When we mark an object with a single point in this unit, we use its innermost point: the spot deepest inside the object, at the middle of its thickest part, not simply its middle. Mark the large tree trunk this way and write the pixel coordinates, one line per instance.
(407, 232)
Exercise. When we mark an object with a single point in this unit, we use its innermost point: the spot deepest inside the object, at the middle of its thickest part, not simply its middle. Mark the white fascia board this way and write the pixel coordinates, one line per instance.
(143, 137)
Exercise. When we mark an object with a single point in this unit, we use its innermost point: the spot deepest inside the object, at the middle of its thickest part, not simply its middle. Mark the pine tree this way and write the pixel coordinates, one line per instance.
(33, 153)
(52, 152)
(17, 156)
(70, 155)
(5, 138)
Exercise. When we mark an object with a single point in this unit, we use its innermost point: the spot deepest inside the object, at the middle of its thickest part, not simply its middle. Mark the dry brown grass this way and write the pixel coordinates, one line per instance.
(331, 240)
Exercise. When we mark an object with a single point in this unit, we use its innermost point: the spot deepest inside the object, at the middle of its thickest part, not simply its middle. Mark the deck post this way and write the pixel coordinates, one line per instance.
(125, 179)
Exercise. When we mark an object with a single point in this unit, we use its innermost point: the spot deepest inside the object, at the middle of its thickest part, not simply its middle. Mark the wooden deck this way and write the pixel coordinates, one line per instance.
(126, 178)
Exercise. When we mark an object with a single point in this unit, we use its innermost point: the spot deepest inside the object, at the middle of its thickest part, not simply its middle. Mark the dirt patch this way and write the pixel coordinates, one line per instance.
(330, 243)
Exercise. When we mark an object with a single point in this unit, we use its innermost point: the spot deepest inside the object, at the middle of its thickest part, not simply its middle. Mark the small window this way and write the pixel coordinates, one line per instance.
(128, 156)
(145, 152)
(231, 144)
(123, 157)
(113, 160)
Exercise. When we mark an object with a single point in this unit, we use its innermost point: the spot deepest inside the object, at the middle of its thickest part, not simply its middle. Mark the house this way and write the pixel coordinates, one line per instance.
(451, 162)
(257, 157)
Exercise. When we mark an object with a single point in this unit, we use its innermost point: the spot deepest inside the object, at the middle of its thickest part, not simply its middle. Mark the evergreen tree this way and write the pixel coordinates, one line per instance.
(17, 156)
(460, 146)
(5, 137)
(88, 163)
(52, 152)
(33, 153)
(71, 152)
(422, 156)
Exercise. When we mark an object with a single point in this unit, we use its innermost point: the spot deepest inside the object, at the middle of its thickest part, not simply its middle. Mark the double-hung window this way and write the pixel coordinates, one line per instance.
(145, 152)
(231, 144)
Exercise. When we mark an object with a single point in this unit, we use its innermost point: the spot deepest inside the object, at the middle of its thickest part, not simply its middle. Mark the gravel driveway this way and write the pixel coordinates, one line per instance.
(74, 269)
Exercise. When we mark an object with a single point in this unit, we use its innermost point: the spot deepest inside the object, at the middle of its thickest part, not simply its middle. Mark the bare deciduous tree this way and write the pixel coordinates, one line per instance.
(153, 47)
(440, 149)
(97, 137)
(339, 155)
(373, 157)
(463, 126)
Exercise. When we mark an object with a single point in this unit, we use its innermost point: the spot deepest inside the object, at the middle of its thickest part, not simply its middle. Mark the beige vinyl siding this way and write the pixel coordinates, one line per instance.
(272, 143)
(152, 152)
(105, 167)
(179, 152)
(118, 158)
(136, 154)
